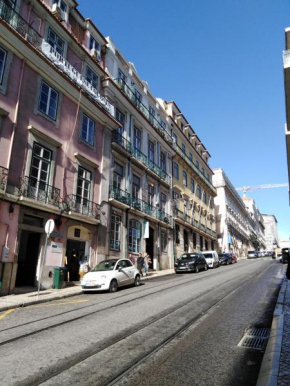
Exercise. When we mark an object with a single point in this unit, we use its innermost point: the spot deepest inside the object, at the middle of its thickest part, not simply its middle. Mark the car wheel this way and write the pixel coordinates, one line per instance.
(113, 286)
(137, 281)
(205, 267)
(228, 262)
(196, 269)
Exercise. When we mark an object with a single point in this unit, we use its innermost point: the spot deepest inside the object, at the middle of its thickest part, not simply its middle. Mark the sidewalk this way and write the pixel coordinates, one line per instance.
(275, 369)
(26, 299)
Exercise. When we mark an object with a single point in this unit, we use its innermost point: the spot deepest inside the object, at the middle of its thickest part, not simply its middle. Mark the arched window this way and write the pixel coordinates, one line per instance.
(134, 236)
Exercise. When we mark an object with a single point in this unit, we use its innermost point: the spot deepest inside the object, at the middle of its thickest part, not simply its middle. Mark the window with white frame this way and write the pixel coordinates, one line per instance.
(61, 4)
(151, 151)
(137, 138)
(163, 161)
(3, 56)
(192, 185)
(138, 96)
(163, 241)
(174, 137)
(118, 176)
(39, 169)
(198, 191)
(163, 202)
(92, 77)
(135, 186)
(151, 113)
(151, 195)
(94, 45)
(55, 41)
(121, 119)
(115, 232)
(204, 197)
(88, 130)
(48, 101)
(163, 124)
(175, 170)
(83, 192)
(134, 236)
(184, 178)
(122, 77)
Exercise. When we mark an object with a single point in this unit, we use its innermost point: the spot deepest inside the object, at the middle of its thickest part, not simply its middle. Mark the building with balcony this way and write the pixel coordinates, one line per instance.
(286, 65)
(138, 156)
(53, 120)
(256, 227)
(271, 232)
(233, 220)
(192, 189)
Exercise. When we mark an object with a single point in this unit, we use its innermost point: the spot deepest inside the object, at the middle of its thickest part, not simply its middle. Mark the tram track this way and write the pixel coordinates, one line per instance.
(115, 343)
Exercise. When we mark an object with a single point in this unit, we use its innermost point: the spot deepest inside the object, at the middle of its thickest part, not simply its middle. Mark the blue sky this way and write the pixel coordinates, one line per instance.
(221, 61)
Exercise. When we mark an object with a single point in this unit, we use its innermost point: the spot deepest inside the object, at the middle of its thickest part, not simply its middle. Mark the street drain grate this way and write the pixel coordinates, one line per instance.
(255, 338)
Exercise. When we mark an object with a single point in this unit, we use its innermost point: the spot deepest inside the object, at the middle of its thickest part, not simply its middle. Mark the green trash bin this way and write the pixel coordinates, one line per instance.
(58, 277)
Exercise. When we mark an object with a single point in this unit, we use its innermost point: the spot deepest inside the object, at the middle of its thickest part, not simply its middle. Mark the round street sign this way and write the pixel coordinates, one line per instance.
(49, 227)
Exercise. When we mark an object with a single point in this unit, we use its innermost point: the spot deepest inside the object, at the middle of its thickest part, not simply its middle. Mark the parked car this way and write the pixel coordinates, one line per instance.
(252, 254)
(190, 262)
(211, 258)
(110, 275)
(285, 255)
(234, 258)
(225, 259)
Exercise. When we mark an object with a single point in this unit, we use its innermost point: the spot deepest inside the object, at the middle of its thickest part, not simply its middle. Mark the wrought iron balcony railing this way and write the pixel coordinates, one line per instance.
(135, 203)
(38, 190)
(3, 178)
(143, 109)
(193, 166)
(24, 29)
(136, 153)
(19, 24)
(78, 204)
(183, 216)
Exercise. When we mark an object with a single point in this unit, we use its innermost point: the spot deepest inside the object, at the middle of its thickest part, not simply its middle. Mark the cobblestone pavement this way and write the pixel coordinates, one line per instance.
(284, 367)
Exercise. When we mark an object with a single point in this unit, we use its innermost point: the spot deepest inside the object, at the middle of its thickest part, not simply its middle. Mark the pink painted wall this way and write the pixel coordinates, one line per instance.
(8, 225)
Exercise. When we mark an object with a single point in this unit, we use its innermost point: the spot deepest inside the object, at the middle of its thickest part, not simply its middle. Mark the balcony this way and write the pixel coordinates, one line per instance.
(136, 153)
(181, 153)
(27, 32)
(39, 191)
(140, 205)
(3, 178)
(144, 110)
(82, 206)
(182, 216)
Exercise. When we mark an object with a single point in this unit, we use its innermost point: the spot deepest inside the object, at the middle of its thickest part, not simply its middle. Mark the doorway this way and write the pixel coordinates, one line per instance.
(27, 259)
(150, 246)
(75, 251)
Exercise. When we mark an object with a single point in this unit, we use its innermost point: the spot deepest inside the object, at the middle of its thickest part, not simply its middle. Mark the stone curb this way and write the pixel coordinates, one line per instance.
(268, 375)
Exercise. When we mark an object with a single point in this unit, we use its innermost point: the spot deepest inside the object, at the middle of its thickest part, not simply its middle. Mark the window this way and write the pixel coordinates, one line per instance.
(174, 137)
(151, 114)
(151, 151)
(55, 41)
(185, 207)
(11, 3)
(91, 77)
(201, 242)
(204, 198)
(184, 178)
(163, 124)
(3, 56)
(202, 171)
(183, 148)
(197, 164)
(194, 239)
(122, 77)
(206, 245)
(115, 232)
(88, 130)
(83, 186)
(136, 186)
(212, 245)
(137, 138)
(118, 176)
(177, 239)
(175, 170)
(198, 191)
(163, 241)
(134, 236)
(162, 201)
(48, 100)
(207, 177)
(190, 157)
(163, 161)
(185, 241)
(39, 170)
(62, 5)
(138, 97)
(151, 195)
(192, 185)
(93, 44)
(120, 118)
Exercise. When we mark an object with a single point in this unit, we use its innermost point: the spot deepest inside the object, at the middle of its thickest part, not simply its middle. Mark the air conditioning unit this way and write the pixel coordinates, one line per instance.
(96, 54)
(58, 13)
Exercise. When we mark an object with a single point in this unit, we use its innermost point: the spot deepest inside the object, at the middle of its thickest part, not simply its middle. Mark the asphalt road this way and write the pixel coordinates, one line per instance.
(175, 330)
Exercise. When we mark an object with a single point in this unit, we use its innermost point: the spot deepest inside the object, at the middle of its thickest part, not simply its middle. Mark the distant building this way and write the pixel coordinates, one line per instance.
(271, 232)
(286, 60)
(257, 233)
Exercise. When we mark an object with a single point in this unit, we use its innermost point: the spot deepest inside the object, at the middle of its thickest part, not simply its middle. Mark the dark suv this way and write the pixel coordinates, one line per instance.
(190, 262)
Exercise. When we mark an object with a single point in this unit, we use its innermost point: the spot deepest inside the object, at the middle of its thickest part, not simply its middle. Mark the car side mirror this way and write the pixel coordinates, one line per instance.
(120, 269)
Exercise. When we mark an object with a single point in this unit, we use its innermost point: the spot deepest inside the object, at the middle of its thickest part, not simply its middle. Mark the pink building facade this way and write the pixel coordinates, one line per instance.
(53, 121)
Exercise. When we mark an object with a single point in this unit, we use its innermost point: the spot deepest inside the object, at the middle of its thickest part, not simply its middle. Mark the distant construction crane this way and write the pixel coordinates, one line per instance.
(244, 189)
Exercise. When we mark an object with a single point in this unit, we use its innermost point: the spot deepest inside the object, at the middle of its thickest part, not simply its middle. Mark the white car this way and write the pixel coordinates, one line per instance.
(211, 258)
(111, 274)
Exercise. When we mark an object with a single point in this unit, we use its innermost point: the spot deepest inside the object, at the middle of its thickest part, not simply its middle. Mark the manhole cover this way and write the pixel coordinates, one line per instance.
(255, 338)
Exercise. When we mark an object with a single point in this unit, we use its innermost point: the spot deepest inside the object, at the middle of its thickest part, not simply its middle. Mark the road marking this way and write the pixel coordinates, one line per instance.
(6, 313)
(57, 303)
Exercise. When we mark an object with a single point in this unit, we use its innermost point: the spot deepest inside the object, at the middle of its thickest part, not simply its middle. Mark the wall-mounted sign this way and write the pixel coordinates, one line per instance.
(5, 254)
(56, 247)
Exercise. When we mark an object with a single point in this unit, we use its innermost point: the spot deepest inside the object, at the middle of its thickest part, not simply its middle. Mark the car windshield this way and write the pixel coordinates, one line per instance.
(107, 265)
(208, 255)
(252, 252)
(188, 256)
